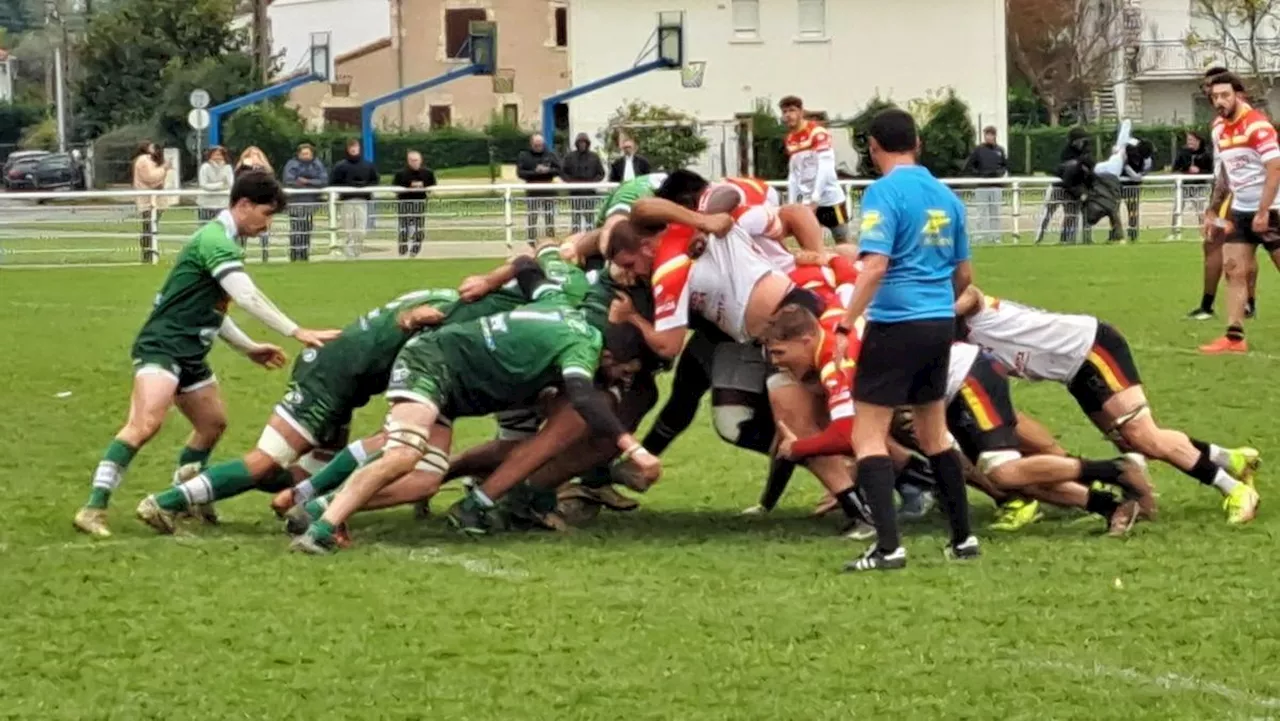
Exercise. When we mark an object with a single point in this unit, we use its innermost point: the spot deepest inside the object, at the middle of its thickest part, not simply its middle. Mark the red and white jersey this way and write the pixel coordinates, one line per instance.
(718, 286)
(810, 148)
(1032, 343)
(837, 379)
(1243, 146)
(833, 283)
(963, 356)
(670, 279)
(757, 212)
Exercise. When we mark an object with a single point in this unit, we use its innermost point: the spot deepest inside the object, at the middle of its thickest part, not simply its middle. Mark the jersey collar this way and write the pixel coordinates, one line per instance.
(229, 223)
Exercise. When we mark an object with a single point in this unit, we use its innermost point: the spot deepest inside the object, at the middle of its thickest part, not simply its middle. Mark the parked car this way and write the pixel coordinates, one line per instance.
(51, 171)
(19, 157)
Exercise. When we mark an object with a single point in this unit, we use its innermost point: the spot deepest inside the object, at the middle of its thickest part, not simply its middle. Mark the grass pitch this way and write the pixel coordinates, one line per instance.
(679, 611)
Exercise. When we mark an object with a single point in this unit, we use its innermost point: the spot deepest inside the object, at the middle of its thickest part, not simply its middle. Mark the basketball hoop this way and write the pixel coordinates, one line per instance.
(504, 80)
(691, 73)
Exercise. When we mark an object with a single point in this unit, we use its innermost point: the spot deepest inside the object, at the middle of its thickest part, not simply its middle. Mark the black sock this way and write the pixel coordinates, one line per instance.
(875, 478)
(852, 505)
(1199, 445)
(1105, 471)
(1235, 332)
(951, 492)
(1205, 470)
(779, 476)
(1206, 302)
(1102, 503)
(1252, 303)
(597, 477)
(659, 437)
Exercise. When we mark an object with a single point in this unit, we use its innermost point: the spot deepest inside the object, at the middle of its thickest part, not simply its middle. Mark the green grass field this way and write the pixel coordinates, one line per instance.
(680, 611)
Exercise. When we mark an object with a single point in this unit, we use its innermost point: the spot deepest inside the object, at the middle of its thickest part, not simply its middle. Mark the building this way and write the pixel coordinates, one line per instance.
(1179, 45)
(6, 76)
(428, 38)
(351, 24)
(835, 54)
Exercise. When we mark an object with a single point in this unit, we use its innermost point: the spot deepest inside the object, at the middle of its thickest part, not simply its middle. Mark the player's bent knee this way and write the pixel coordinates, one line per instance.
(990, 463)
(729, 421)
(273, 445)
(407, 435)
(435, 460)
(1134, 429)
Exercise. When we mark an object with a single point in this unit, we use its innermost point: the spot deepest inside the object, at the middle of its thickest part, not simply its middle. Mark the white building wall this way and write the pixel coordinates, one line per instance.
(6, 80)
(898, 50)
(351, 24)
(1168, 101)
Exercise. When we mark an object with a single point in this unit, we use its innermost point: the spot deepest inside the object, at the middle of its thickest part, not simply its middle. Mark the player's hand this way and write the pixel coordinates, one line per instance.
(315, 338)
(718, 224)
(473, 288)
(420, 317)
(1193, 170)
(811, 257)
(621, 310)
(569, 252)
(271, 357)
(1261, 222)
(649, 465)
(785, 440)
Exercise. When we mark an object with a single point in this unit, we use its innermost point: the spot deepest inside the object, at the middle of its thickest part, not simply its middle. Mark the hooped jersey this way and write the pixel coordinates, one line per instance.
(1032, 343)
(809, 147)
(1243, 147)
(837, 379)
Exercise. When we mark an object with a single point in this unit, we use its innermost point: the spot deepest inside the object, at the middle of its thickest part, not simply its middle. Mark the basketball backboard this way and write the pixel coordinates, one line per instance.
(671, 38)
(321, 56)
(483, 43)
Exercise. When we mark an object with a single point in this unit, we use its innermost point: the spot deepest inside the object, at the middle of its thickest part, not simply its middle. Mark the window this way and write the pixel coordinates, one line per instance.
(511, 114)
(561, 114)
(441, 116)
(340, 118)
(746, 18)
(813, 18)
(562, 27)
(457, 30)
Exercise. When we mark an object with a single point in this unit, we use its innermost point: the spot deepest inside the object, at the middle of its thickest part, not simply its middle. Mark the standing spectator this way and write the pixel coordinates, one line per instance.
(629, 165)
(1074, 169)
(252, 158)
(149, 171)
(1137, 163)
(539, 166)
(215, 178)
(582, 165)
(412, 203)
(1195, 157)
(988, 160)
(354, 171)
(304, 172)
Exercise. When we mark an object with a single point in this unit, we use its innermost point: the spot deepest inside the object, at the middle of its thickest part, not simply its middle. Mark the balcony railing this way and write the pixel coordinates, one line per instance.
(1179, 59)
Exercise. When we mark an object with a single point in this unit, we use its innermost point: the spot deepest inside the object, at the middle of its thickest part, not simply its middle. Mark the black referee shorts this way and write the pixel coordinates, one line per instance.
(904, 364)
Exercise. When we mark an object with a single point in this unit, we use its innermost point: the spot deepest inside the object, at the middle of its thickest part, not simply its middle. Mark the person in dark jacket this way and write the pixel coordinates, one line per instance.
(354, 171)
(988, 160)
(582, 165)
(539, 166)
(1075, 166)
(304, 172)
(412, 203)
(630, 165)
(1139, 155)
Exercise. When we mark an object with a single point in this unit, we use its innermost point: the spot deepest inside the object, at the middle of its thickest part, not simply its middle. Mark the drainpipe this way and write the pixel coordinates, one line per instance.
(399, 43)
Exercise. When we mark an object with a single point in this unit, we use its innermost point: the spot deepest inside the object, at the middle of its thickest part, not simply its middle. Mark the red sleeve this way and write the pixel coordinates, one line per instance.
(835, 440)
(846, 270)
(821, 140)
(1262, 137)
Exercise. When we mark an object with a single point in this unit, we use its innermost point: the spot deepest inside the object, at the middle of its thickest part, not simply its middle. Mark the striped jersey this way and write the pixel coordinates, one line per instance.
(1243, 146)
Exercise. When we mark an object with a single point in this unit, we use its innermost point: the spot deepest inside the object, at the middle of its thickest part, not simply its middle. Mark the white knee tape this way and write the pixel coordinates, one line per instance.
(407, 435)
(434, 461)
(311, 464)
(988, 461)
(1122, 421)
(276, 447)
(728, 420)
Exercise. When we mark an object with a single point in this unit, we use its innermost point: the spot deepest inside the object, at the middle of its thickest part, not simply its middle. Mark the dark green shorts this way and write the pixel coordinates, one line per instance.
(421, 374)
(320, 399)
(192, 373)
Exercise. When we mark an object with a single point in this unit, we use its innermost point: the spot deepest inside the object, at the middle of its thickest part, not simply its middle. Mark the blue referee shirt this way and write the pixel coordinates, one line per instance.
(919, 223)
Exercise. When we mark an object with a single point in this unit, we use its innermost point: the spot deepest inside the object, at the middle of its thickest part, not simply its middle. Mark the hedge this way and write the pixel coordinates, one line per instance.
(1037, 150)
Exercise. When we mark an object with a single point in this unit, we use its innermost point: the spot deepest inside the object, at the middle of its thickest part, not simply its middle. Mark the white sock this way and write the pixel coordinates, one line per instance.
(1219, 455)
(197, 491)
(107, 476)
(303, 492)
(1224, 482)
(1137, 459)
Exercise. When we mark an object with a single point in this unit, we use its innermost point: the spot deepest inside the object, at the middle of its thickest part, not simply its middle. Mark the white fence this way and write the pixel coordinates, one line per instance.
(108, 227)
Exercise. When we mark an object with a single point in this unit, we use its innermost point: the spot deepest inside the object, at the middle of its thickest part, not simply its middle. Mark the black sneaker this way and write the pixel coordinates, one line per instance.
(1199, 313)
(469, 518)
(876, 559)
(965, 550)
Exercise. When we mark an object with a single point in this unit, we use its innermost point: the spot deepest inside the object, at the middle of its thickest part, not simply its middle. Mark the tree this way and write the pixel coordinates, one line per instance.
(667, 137)
(1068, 49)
(129, 45)
(947, 136)
(224, 78)
(1240, 34)
(859, 129)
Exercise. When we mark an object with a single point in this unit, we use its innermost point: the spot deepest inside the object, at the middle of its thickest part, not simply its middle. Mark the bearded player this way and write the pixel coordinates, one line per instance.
(811, 174)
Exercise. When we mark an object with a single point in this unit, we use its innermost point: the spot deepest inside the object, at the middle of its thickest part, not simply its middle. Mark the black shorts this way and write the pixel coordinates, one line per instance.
(832, 216)
(981, 416)
(904, 364)
(1243, 233)
(1108, 369)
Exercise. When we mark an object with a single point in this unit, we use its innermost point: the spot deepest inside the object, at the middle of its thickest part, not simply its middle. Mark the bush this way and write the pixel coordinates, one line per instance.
(769, 143)
(947, 137)
(275, 128)
(858, 130)
(41, 136)
(668, 147)
(15, 119)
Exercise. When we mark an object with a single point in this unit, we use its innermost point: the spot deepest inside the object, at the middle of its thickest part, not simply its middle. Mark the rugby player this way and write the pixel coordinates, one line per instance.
(169, 353)
(811, 170)
(1093, 360)
(471, 369)
(1248, 158)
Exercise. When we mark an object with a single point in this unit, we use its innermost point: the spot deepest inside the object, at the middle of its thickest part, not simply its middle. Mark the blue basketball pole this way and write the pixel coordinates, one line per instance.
(218, 112)
(549, 105)
(366, 110)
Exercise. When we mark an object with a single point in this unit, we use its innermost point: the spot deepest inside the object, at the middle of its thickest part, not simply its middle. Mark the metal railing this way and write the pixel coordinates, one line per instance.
(127, 226)
(1177, 58)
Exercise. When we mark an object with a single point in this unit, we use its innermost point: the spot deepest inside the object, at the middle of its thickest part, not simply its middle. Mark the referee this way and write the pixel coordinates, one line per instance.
(915, 252)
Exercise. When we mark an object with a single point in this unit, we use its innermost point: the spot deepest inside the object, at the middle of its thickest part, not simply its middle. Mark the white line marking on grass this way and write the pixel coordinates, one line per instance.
(431, 554)
(1167, 681)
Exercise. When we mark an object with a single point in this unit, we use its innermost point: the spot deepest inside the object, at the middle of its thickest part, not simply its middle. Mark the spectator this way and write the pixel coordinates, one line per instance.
(582, 165)
(629, 165)
(215, 179)
(149, 171)
(252, 158)
(1074, 169)
(988, 160)
(303, 171)
(1137, 163)
(354, 171)
(413, 203)
(538, 166)
(1195, 157)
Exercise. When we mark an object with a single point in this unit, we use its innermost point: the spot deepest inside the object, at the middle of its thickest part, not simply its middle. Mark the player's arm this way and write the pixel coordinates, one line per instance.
(826, 176)
(577, 367)
(969, 301)
(1220, 188)
(834, 440)
(879, 226)
(962, 275)
(659, 211)
(475, 287)
(666, 343)
(582, 246)
(793, 182)
(264, 354)
(1263, 139)
(245, 293)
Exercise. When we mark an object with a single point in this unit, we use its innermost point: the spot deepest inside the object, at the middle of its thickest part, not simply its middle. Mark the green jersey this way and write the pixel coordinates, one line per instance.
(621, 198)
(498, 362)
(191, 304)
